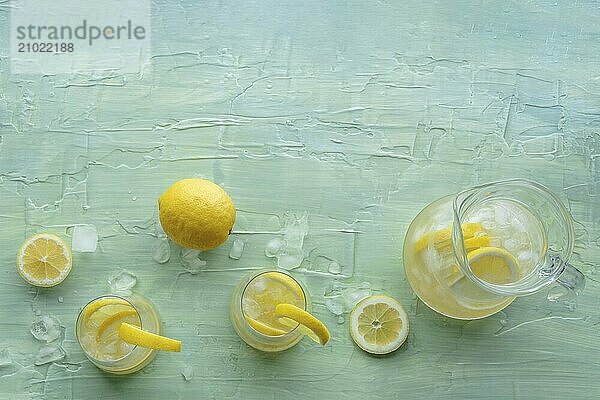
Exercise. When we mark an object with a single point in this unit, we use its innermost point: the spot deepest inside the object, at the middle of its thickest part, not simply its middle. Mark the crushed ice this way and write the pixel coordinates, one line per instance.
(289, 249)
(342, 297)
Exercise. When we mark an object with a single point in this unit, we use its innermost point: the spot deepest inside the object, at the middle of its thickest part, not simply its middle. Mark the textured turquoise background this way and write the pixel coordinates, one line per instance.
(360, 113)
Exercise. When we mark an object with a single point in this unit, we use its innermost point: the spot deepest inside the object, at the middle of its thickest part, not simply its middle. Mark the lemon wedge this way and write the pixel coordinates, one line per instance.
(134, 335)
(44, 260)
(378, 324)
(309, 324)
(443, 238)
(98, 304)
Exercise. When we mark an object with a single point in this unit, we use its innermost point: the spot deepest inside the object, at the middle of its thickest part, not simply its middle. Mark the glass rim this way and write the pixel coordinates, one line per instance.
(250, 280)
(79, 316)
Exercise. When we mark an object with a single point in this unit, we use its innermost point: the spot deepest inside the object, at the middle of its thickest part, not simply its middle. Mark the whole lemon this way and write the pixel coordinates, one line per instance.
(196, 213)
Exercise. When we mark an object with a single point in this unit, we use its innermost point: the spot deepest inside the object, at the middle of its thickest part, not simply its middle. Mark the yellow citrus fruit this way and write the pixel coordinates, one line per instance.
(494, 265)
(309, 324)
(121, 315)
(442, 239)
(378, 324)
(44, 260)
(196, 213)
(264, 328)
(134, 335)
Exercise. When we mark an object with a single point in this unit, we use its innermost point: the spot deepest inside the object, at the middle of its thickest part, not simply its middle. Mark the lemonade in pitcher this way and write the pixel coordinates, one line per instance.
(469, 255)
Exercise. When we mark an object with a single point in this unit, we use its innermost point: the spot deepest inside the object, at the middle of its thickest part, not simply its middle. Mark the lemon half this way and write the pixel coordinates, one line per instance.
(378, 324)
(44, 260)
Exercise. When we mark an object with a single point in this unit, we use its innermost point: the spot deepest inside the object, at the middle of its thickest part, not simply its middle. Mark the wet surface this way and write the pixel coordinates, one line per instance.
(358, 114)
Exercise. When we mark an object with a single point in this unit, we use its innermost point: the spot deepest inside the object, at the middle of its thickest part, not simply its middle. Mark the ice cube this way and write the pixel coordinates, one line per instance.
(85, 238)
(334, 304)
(353, 295)
(46, 329)
(188, 373)
(290, 261)
(190, 261)
(49, 353)
(122, 282)
(188, 254)
(295, 227)
(273, 247)
(289, 251)
(559, 293)
(161, 250)
(5, 358)
(236, 249)
(159, 230)
(194, 266)
(334, 268)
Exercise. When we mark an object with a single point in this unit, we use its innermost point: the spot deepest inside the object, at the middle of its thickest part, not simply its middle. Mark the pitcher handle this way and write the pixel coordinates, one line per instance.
(570, 277)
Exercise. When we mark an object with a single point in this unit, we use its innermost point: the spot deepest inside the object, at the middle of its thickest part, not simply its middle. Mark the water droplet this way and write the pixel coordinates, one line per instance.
(188, 373)
(60, 299)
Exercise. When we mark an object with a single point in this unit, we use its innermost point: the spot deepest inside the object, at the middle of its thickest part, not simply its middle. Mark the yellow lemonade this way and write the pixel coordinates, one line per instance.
(98, 326)
(502, 241)
(253, 310)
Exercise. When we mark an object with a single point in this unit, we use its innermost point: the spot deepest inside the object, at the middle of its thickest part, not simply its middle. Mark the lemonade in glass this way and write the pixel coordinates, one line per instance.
(97, 331)
(270, 312)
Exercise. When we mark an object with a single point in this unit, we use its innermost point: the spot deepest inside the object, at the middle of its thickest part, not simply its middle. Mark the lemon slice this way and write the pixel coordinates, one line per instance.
(378, 324)
(97, 304)
(134, 335)
(309, 324)
(112, 319)
(443, 238)
(44, 260)
(264, 329)
(494, 265)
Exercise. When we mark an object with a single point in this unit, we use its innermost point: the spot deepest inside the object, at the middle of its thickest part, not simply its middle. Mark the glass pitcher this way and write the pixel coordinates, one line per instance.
(469, 255)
